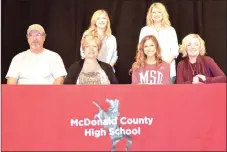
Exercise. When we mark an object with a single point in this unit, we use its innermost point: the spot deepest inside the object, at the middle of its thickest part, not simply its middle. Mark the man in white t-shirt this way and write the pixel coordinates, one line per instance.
(37, 65)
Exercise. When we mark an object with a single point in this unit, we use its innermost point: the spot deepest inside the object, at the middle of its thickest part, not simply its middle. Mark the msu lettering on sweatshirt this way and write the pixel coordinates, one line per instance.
(152, 74)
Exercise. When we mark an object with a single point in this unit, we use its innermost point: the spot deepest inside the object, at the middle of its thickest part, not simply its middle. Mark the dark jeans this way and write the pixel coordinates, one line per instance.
(173, 80)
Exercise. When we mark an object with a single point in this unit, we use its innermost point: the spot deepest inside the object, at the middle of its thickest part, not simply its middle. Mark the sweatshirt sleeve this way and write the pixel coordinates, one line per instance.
(218, 74)
(135, 77)
(167, 74)
(180, 77)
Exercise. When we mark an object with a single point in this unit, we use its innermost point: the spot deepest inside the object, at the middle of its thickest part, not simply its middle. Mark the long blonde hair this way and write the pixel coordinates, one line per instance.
(185, 41)
(92, 29)
(141, 56)
(162, 8)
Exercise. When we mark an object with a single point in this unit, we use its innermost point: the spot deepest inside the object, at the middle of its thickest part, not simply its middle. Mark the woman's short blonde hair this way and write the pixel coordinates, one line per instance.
(162, 8)
(86, 39)
(92, 29)
(186, 40)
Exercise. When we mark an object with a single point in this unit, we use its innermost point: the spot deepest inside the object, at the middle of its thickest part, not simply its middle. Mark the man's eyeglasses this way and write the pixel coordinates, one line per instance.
(35, 35)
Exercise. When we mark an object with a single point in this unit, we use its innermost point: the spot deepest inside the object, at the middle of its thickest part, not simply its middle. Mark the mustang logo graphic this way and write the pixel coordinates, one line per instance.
(112, 113)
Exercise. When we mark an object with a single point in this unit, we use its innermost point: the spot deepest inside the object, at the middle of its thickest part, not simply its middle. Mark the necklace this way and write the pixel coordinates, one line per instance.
(101, 37)
(158, 29)
(193, 69)
(90, 67)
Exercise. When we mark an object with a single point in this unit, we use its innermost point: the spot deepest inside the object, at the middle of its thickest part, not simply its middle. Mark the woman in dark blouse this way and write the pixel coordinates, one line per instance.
(90, 70)
(197, 68)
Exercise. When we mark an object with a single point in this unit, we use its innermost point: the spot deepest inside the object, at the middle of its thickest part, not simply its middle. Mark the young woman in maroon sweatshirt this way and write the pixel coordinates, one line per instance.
(149, 68)
(197, 68)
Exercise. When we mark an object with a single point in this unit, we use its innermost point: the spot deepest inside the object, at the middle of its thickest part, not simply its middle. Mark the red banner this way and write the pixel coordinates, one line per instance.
(142, 117)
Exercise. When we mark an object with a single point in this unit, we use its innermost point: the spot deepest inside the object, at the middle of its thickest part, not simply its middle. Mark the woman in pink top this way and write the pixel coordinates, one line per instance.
(197, 68)
(149, 68)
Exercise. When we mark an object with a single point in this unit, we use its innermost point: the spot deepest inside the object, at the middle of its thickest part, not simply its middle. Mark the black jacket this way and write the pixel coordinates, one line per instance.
(76, 67)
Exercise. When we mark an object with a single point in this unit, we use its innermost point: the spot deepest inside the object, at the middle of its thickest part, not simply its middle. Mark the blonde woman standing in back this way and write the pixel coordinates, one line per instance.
(158, 24)
(100, 27)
